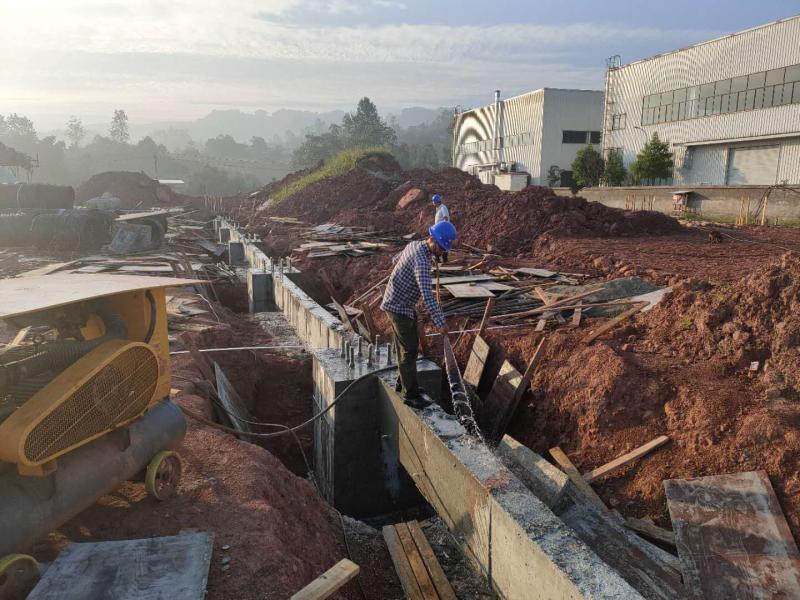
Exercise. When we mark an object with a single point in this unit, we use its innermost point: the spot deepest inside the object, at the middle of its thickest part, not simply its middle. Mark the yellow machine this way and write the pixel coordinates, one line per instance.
(83, 385)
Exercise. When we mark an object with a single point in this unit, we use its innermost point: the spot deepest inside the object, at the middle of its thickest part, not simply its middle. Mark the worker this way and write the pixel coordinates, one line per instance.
(410, 279)
(442, 214)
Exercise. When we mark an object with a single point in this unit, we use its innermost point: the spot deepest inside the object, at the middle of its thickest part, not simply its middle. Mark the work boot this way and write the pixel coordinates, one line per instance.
(417, 401)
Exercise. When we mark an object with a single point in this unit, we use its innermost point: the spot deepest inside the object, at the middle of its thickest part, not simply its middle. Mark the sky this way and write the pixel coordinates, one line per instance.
(175, 60)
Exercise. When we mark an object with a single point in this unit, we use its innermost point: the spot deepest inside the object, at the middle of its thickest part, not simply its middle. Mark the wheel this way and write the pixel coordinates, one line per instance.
(163, 474)
(19, 574)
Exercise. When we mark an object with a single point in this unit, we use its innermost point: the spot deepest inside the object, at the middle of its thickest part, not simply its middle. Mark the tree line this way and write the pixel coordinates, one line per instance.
(221, 165)
(653, 163)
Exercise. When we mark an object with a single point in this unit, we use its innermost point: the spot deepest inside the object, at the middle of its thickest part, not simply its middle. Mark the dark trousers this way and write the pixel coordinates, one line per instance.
(405, 346)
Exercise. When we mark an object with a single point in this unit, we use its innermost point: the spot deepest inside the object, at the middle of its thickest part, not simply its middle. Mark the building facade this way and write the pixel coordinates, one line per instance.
(729, 107)
(527, 134)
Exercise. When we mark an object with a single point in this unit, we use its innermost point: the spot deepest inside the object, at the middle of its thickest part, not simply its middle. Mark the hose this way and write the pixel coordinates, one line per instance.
(306, 423)
(56, 356)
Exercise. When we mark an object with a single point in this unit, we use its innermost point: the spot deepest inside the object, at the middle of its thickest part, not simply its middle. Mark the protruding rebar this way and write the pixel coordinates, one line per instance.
(369, 355)
(358, 346)
(388, 355)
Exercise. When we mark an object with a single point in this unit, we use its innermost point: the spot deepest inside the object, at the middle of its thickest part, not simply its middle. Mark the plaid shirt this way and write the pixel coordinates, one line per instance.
(410, 279)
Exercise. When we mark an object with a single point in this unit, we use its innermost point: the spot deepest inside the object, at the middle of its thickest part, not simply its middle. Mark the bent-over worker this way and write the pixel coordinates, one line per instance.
(442, 214)
(410, 279)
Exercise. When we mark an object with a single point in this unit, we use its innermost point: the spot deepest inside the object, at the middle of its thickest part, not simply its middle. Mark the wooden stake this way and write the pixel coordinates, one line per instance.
(487, 314)
(613, 323)
(527, 376)
(625, 459)
(566, 465)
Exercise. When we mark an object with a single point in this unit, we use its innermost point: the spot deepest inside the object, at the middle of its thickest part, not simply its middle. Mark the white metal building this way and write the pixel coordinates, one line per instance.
(527, 134)
(729, 107)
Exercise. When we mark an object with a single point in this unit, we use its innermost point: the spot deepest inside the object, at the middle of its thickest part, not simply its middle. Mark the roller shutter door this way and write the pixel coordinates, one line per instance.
(753, 166)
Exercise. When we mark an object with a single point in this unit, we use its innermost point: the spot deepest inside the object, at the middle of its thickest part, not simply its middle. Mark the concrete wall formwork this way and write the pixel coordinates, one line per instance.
(772, 46)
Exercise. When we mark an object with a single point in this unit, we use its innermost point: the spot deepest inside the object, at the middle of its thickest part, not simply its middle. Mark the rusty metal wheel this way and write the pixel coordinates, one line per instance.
(163, 475)
(19, 574)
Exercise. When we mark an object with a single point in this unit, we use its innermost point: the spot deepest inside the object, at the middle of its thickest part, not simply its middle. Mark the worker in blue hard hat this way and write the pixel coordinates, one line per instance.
(442, 214)
(410, 280)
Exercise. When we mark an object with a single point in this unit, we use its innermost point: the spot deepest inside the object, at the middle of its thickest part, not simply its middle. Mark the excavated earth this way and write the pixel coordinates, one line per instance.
(681, 370)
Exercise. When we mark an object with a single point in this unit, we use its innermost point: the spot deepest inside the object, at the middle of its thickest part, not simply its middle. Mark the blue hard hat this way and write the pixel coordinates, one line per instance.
(444, 232)
(436, 198)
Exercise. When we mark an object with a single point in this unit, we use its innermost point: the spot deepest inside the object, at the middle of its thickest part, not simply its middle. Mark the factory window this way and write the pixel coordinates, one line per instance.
(573, 137)
(594, 137)
(619, 121)
(764, 89)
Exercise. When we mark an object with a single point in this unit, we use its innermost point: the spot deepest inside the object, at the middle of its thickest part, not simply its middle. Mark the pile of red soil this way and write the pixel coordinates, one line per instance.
(753, 319)
(134, 189)
(281, 534)
(498, 221)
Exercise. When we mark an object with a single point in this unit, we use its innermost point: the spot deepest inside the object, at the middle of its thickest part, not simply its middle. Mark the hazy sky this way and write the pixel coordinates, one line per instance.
(179, 59)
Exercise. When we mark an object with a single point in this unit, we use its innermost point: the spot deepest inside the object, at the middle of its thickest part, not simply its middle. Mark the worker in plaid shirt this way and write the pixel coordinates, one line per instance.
(410, 280)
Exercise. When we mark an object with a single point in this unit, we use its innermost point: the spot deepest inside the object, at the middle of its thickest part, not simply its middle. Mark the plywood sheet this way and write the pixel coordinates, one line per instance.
(468, 290)
(536, 272)
(477, 361)
(464, 279)
(501, 400)
(732, 537)
(30, 294)
(163, 568)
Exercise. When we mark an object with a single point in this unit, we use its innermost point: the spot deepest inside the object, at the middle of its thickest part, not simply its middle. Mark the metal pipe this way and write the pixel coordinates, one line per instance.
(32, 507)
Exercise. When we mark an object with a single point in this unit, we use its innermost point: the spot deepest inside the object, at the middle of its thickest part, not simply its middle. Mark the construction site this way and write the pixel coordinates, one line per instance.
(199, 400)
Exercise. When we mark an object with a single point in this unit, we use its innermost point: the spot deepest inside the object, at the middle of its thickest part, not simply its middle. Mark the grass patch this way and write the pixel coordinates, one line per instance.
(342, 163)
(686, 323)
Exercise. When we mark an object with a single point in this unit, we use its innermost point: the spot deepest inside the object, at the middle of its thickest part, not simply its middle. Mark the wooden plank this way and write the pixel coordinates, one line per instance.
(612, 323)
(443, 587)
(500, 401)
(21, 296)
(174, 567)
(733, 539)
(536, 272)
(576, 316)
(401, 564)
(487, 313)
(651, 531)
(533, 363)
(415, 560)
(329, 582)
(464, 279)
(477, 361)
(625, 459)
(563, 461)
(542, 295)
(468, 290)
(494, 286)
(343, 316)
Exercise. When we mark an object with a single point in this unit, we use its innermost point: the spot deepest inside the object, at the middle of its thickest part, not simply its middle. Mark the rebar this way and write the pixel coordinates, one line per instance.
(458, 392)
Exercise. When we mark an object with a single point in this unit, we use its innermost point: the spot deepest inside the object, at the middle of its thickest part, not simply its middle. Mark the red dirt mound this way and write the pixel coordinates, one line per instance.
(134, 189)
(753, 319)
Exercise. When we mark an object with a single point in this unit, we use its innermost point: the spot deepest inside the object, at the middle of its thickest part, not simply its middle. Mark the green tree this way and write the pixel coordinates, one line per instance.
(365, 128)
(318, 148)
(653, 162)
(587, 168)
(75, 131)
(554, 176)
(614, 173)
(119, 127)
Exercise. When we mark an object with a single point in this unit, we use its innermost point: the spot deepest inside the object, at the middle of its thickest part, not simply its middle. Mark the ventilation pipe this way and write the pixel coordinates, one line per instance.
(497, 149)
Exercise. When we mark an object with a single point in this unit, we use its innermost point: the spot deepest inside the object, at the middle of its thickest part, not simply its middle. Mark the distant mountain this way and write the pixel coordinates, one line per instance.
(417, 115)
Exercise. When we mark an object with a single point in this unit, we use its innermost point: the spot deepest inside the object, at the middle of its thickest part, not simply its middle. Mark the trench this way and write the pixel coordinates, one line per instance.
(375, 458)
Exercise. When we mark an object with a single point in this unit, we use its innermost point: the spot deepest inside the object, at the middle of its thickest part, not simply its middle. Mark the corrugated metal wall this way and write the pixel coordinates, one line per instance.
(760, 49)
(475, 145)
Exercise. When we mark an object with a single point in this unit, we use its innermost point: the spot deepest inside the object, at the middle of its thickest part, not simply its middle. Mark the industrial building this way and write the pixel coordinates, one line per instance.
(515, 142)
(729, 107)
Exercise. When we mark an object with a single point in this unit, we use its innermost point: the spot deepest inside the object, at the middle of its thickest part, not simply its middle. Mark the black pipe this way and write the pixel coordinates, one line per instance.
(32, 507)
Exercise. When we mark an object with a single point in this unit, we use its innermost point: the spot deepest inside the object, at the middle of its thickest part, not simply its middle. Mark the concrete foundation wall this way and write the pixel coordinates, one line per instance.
(509, 535)
(708, 201)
